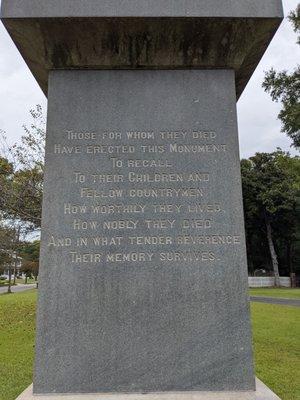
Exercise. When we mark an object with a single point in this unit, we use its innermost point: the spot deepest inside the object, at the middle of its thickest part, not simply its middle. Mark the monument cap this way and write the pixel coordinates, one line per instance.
(142, 34)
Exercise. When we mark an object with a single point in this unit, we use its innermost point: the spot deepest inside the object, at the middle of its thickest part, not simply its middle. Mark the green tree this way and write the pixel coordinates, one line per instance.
(270, 189)
(21, 174)
(21, 182)
(20, 202)
(21, 194)
(8, 251)
(30, 253)
(285, 87)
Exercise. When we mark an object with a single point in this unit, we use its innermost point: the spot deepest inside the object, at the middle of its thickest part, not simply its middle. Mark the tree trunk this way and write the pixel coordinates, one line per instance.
(16, 255)
(15, 269)
(9, 280)
(25, 279)
(272, 251)
(289, 256)
(250, 259)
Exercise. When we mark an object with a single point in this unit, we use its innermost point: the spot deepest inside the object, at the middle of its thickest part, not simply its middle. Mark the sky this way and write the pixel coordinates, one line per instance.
(259, 128)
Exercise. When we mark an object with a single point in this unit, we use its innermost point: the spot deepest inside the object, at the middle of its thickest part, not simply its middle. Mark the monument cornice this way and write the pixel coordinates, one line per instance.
(60, 35)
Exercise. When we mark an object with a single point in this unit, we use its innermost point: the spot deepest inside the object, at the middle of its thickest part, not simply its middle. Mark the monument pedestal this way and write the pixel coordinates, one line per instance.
(262, 393)
(143, 275)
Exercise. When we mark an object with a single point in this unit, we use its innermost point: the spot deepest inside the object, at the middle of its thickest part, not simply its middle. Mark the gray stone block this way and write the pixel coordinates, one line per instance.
(262, 393)
(136, 34)
(143, 276)
(142, 8)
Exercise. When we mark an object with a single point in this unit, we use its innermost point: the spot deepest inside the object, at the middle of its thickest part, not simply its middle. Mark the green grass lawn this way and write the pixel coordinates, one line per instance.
(29, 280)
(17, 328)
(284, 293)
(276, 345)
(276, 334)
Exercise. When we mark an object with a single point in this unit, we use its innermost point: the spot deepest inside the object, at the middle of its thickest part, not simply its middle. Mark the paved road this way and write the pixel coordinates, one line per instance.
(259, 299)
(18, 288)
(274, 300)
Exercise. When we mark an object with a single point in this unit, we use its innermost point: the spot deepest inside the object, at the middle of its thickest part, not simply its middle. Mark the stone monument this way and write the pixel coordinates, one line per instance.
(143, 275)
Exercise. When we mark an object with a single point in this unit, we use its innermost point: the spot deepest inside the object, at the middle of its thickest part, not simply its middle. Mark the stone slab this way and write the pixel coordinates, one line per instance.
(262, 393)
(143, 275)
(142, 8)
(142, 34)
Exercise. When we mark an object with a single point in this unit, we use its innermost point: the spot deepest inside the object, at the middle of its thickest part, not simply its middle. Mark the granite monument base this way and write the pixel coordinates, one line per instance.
(143, 275)
(262, 393)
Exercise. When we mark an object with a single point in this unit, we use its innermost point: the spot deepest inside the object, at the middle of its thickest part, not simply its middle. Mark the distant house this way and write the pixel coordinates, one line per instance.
(18, 266)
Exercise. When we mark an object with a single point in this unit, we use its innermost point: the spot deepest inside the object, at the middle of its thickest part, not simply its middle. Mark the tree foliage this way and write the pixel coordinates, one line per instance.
(21, 174)
(294, 17)
(21, 194)
(21, 187)
(6, 245)
(30, 253)
(9, 241)
(285, 87)
(271, 185)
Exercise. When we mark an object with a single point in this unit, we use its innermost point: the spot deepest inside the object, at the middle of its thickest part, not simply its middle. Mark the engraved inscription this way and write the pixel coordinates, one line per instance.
(147, 201)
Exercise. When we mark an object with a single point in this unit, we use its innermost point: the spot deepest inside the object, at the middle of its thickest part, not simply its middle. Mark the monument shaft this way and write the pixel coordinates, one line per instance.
(143, 276)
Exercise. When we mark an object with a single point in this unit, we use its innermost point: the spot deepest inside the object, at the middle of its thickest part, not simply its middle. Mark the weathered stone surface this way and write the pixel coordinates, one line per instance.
(117, 314)
(262, 393)
(142, 34)
(142, 8)
(143, 283)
